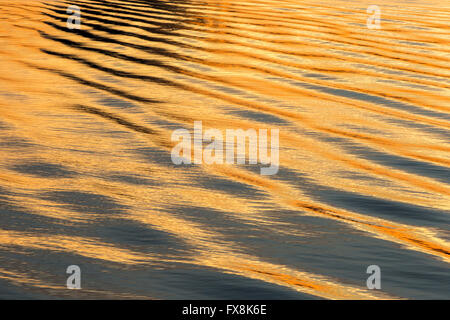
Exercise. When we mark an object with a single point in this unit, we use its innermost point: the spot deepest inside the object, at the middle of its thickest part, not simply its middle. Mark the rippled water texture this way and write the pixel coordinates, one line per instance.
(86, 178)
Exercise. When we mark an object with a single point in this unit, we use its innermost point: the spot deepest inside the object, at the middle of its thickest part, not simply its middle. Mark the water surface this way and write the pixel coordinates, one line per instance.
(86, 178)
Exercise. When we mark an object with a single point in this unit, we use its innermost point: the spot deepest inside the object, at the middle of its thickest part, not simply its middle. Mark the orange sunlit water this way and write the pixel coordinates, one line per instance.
(86, 118)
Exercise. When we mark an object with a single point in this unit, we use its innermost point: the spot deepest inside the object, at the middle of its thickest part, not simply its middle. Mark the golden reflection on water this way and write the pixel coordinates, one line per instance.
(361, 112)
